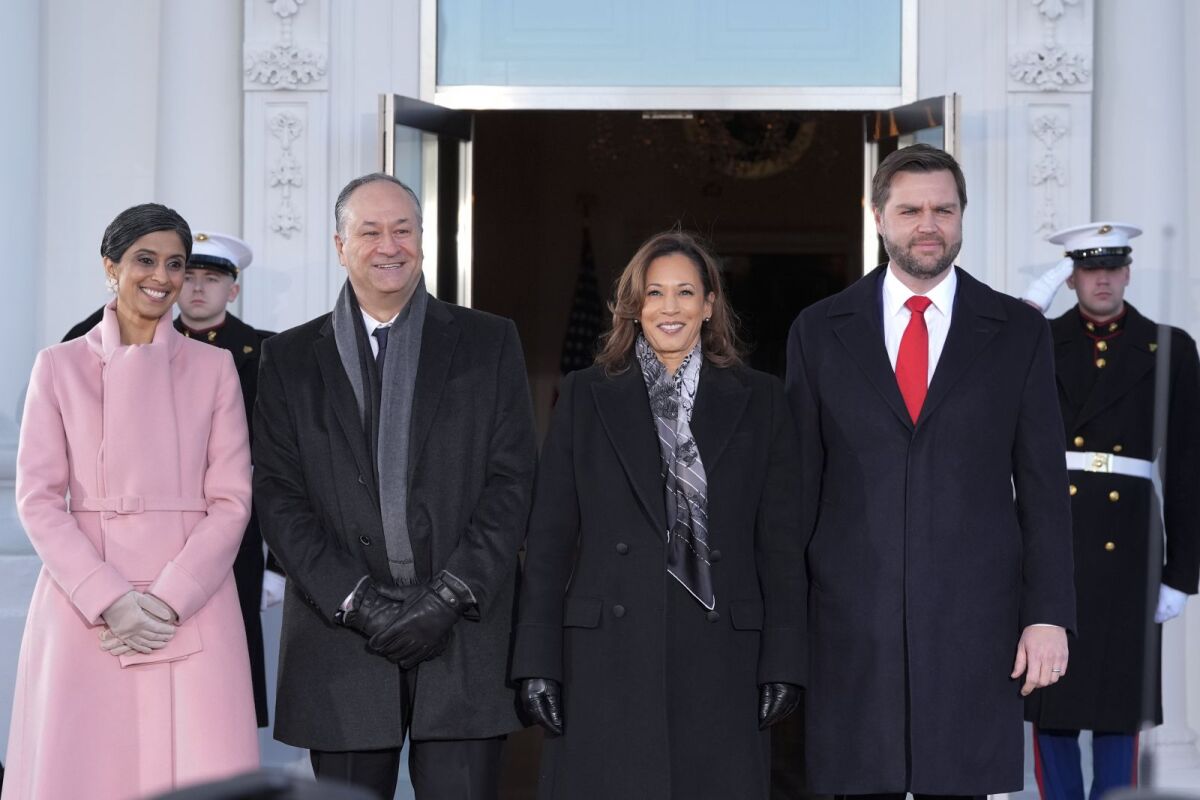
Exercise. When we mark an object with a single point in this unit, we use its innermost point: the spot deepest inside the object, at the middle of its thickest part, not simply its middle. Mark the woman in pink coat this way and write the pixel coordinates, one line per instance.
(133, 483)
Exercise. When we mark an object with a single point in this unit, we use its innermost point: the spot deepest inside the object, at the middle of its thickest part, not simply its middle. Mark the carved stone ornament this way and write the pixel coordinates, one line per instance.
(286, 173)
(1048, 170)
(285, 65)
(1050, 9)
(1050, 67)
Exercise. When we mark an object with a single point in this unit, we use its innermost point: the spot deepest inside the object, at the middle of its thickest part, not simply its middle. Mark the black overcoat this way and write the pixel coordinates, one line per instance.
(660, 694)
(244, 343)
(923, 566)
(471, 464)
(1117, 520)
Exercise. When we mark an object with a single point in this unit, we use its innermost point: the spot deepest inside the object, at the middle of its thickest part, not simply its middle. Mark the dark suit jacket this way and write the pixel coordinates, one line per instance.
(660, 694)
(924, 569)
(1116, 518)
(471, 462)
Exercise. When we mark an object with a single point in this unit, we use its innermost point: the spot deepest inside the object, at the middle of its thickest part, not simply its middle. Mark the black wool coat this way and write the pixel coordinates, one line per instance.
(244, 343)
(1117, 520)
(660, 694)
(923, 566)
(471, 464)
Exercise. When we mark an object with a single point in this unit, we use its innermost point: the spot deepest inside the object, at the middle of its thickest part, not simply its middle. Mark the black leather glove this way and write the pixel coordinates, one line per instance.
(374, 608)
(423, 628)
(776, 701)
(541, 699)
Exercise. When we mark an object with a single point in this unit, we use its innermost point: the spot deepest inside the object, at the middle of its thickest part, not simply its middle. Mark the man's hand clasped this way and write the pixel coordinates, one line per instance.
(408, 625)
(137, 622)
(1041, 657)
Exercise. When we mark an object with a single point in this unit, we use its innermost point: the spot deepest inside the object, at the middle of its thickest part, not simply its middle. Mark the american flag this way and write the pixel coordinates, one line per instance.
(587, 313)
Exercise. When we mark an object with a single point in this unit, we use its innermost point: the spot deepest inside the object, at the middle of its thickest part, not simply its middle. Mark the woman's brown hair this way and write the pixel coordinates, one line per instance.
(718, 336)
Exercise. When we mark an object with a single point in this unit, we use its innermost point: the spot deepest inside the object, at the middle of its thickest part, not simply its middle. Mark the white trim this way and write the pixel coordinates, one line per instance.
(637, 98)
(429, 207)
(908, 51)
(427, 69)
(870, 240)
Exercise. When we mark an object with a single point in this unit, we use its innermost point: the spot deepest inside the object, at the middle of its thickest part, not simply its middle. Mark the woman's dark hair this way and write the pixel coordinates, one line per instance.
(718, 336)
(134, 223)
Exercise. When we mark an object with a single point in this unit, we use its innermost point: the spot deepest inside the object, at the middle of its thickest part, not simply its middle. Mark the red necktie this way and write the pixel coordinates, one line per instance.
(912, 362)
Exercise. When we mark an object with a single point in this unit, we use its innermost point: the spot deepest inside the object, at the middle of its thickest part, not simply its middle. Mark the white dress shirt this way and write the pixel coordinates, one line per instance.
(371, 324)
(937, 316)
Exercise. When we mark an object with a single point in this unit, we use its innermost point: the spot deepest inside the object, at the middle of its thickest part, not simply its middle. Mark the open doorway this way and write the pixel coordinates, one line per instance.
(779, 195)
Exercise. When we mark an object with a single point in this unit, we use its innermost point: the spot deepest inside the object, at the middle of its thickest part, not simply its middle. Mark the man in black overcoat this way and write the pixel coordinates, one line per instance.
(1107, 358)
(209, 285)
(393, 463)
(937, 597)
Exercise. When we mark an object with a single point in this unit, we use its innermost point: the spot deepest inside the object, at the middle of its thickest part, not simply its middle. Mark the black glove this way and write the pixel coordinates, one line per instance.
(776, 701)
(541, 699)
(375, 608)
(423, 629)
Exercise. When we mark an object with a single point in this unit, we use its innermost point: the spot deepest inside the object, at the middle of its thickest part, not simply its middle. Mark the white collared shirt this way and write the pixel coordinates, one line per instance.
(937, 316)
(371, 324)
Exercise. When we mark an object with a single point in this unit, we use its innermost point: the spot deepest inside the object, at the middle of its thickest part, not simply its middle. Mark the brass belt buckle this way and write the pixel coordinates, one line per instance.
(1099, 462)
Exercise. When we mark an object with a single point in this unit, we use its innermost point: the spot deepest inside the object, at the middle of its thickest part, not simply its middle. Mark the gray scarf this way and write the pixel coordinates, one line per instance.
(672, 398)
(385, 407)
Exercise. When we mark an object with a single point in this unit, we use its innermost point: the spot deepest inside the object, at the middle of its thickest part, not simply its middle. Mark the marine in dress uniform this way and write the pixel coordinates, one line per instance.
(1106, 356)
(215, 258)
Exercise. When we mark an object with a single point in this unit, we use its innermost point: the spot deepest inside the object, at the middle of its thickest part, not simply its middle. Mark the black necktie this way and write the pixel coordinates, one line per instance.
(381, 334)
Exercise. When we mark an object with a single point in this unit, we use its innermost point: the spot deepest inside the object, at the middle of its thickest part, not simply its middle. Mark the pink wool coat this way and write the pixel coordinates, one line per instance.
(133, 472)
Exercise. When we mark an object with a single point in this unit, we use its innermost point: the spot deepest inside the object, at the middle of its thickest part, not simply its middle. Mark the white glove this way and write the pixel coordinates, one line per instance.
(1170, 603)
(134, 626)
(272, 594)
(110, 644)
(1041, 292)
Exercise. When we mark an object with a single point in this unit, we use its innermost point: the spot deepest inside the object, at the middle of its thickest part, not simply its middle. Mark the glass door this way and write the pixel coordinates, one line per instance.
(429, 148)
(933, 121)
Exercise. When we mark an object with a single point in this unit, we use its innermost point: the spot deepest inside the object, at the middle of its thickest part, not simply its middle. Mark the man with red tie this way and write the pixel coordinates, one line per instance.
(938, 597)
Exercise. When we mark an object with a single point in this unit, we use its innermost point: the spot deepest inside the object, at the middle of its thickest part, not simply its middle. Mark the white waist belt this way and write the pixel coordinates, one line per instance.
(1107, 462)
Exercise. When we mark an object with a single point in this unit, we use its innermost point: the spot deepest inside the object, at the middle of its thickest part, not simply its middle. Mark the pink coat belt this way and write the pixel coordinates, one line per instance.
(136, 504)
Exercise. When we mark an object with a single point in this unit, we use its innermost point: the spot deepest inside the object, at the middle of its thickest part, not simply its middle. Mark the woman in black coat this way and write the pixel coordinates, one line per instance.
(661, 623)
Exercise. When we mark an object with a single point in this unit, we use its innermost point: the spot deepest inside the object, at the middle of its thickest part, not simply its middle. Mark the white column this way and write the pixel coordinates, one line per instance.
(1140, 177)
(199, 158)
(19, 40)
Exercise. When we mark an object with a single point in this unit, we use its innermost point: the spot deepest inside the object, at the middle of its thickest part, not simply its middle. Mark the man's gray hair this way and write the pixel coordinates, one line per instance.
(339, 208)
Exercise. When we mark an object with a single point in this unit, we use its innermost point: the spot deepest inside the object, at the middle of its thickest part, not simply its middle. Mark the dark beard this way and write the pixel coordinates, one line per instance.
(910, 266)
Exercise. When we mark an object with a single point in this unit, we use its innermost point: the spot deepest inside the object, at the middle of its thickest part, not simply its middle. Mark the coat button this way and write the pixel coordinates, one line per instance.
(1079, 441)
(1072, 489)
(712, 616)
(1110, 546)
(1117, 448)
(618, 611)
(622, 548)
(1100, 363)
(1114, 496)
(714, 556)
(365, 539)
(1102, 346)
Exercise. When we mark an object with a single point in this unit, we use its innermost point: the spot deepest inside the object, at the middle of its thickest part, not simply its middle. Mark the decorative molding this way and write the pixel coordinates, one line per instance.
(285, 65)
(1047, 170)
(287, 173)
(1050, 66)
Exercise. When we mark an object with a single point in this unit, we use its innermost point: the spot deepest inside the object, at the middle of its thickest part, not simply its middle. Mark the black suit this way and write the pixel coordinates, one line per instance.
(923, 568)
(1110, 409)
(661, 695)
(471, 461)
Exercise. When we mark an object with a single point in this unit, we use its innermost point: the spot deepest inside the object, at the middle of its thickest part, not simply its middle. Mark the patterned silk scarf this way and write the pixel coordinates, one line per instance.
(672, 398)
